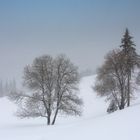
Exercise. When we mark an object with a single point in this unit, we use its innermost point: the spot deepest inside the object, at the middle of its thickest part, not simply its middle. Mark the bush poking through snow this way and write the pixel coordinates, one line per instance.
(112, 107)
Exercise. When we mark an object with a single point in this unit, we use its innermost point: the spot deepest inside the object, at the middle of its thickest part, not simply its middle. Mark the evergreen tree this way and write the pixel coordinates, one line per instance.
(130, 61)
(116, 77)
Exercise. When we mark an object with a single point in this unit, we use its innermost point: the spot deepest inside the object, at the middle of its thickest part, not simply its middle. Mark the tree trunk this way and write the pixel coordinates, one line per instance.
(122, 105)
(128, 92)
(55, 115)
(122, 99)
(48, 120)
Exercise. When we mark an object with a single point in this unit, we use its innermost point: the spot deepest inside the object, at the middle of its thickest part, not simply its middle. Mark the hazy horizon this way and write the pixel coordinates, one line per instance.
(84, 30)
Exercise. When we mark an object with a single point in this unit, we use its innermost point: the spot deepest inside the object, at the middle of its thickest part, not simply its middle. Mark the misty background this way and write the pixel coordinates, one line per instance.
(84, 30)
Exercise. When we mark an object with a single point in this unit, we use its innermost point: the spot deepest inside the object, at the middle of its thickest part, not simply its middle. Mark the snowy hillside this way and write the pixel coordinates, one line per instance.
(95, 124)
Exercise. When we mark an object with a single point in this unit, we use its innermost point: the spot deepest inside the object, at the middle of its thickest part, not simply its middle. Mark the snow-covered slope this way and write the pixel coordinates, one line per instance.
(95, 124)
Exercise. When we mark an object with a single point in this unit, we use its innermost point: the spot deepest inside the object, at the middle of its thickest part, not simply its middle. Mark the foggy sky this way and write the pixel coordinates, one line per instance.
(85, 30)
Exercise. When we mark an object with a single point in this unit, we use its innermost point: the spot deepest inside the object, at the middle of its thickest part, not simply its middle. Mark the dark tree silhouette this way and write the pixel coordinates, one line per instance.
(131, 60)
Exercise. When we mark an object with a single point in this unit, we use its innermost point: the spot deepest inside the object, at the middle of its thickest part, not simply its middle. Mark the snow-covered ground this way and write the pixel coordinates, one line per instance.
(95, 124)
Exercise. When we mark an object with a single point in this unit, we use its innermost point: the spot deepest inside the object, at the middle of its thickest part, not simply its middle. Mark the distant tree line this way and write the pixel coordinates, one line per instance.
(7, 87)
(118, 77)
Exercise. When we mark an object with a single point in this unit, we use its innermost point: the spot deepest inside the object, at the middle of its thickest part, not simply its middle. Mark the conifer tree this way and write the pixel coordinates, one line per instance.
(130, 61)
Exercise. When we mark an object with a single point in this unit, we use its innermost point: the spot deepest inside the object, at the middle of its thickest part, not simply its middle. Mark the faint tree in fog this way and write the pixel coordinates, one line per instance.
(6, 88)
(1, 89)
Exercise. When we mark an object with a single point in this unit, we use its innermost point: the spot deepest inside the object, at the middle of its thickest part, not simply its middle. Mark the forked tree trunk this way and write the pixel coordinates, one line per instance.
(55, 115)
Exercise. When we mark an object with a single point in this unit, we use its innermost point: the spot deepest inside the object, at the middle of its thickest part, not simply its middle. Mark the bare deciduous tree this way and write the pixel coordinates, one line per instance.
(111, 80)
(116, 76)
(53, 83)
(67, 78)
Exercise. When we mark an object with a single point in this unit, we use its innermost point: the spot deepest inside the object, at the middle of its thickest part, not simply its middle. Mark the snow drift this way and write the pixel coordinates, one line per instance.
(95, 124)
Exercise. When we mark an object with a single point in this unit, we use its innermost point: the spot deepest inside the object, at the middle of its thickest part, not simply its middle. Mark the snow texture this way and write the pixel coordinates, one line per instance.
(95, 124)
